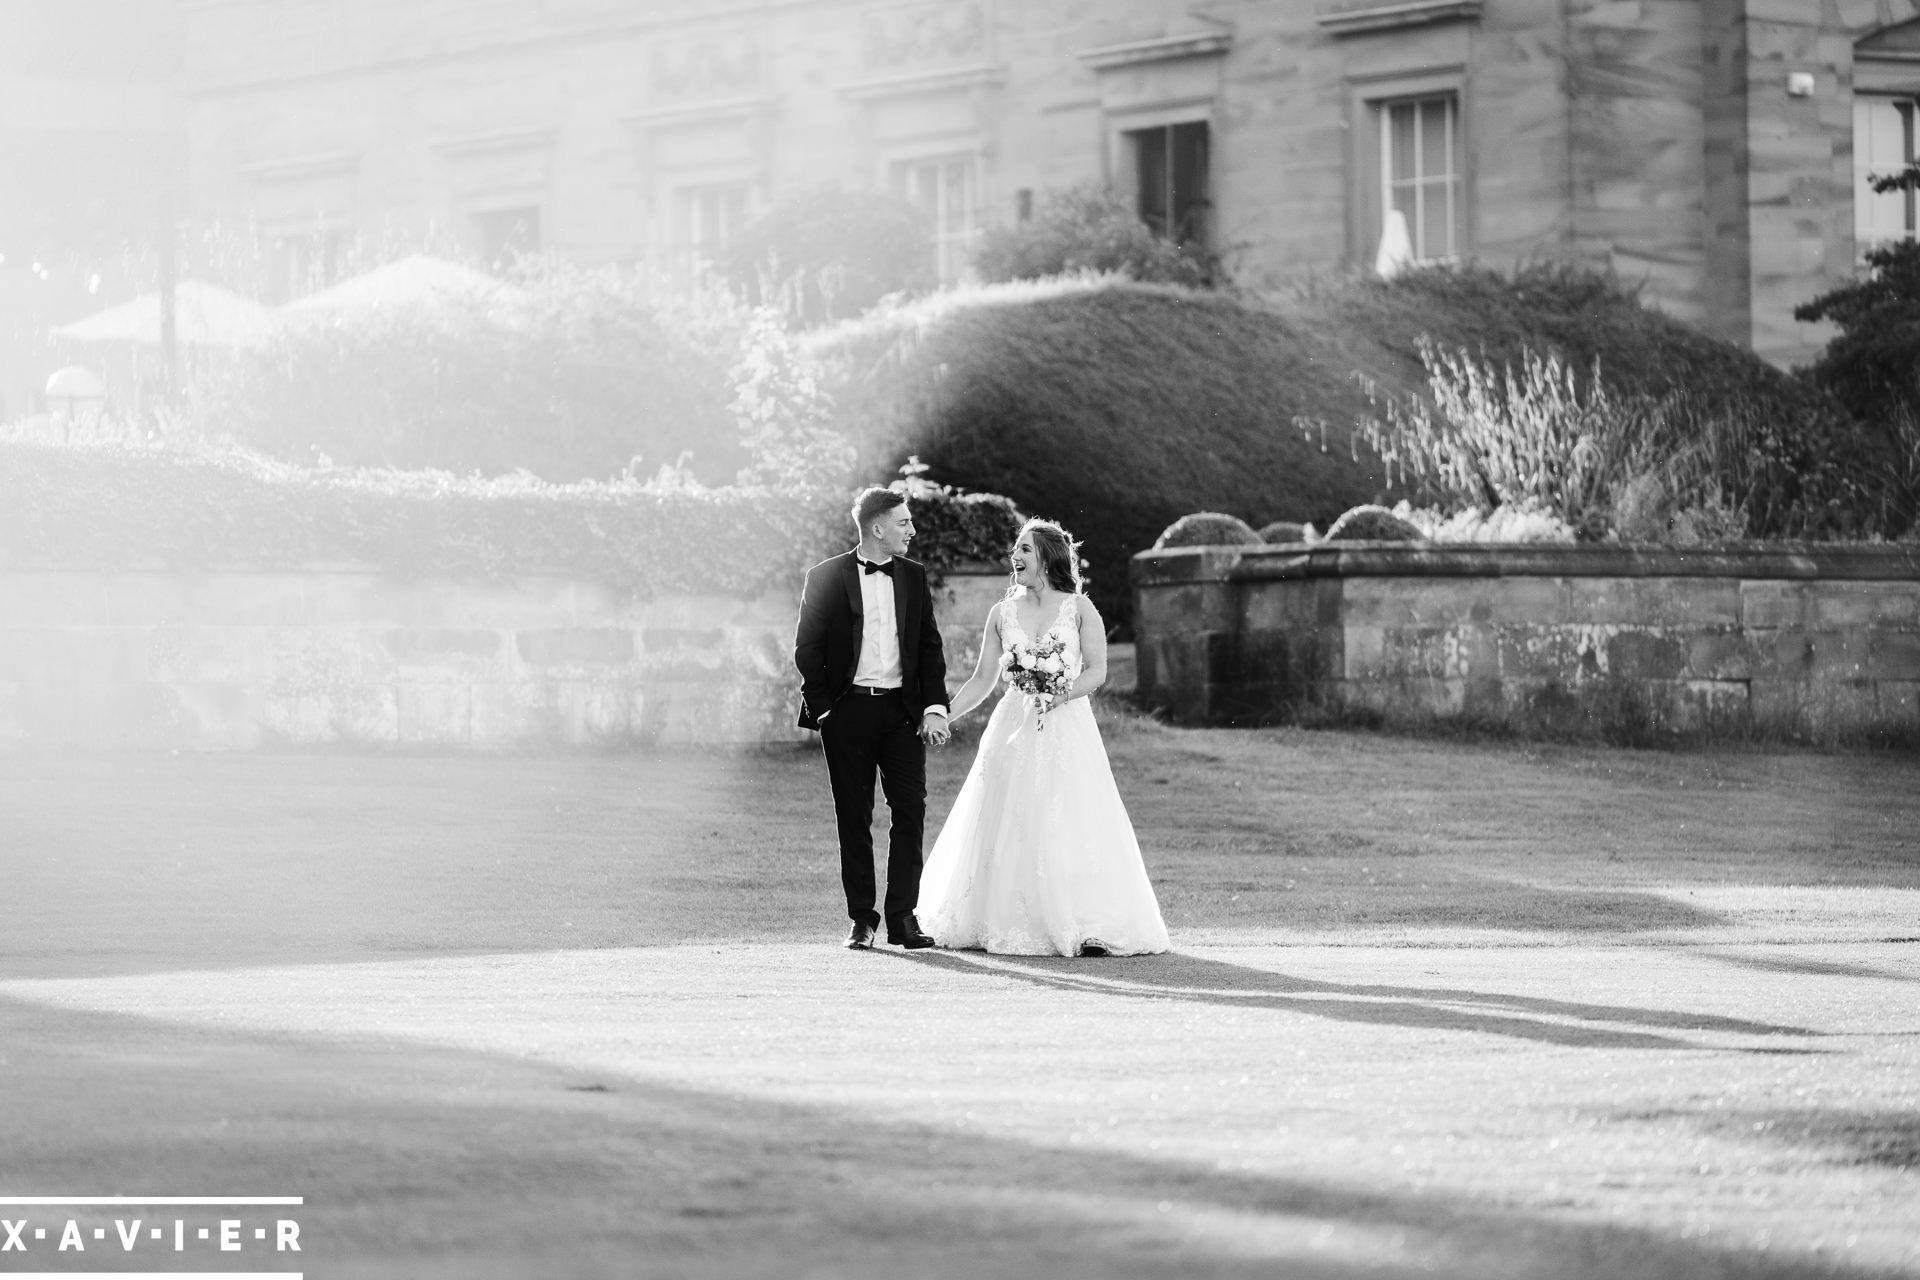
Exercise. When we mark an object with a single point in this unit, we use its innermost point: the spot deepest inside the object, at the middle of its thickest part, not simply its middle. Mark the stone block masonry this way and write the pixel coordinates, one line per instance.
(355, 659)
(1815, 643)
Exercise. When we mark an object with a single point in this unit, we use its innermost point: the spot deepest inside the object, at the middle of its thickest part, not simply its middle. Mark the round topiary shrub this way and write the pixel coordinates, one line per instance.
(1207, 529)
(1286, 531)
(1373, 524)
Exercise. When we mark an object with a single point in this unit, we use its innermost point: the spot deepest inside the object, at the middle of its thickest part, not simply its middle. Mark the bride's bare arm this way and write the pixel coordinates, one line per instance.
(1093, 652)
(986, 671)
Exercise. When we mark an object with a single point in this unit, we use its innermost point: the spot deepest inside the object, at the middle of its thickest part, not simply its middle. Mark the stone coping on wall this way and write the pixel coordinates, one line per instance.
(1857, 562)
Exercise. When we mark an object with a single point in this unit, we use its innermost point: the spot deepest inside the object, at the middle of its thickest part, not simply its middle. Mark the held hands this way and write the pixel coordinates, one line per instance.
(934, 730)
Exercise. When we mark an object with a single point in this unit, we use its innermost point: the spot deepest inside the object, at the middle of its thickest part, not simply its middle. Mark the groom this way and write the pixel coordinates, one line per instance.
(873, 682)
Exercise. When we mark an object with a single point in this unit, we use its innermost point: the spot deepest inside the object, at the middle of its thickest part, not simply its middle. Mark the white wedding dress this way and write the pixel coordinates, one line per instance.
(1038, 855)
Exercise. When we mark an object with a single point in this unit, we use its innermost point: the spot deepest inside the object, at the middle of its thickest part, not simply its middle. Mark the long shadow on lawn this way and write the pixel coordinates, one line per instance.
(1192, 978)
(1819, 968)
(1848, 1137)
(422, 1161)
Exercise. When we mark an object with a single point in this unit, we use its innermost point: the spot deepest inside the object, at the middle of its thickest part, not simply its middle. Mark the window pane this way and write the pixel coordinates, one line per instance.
(1434, 154)
(1406, 202)
(1189, 182)
(1436, 235)
(1879, 147)
(506, 233)
(1400, 142)
(1150, 154)
(711, 216)
(942, 189)
(955, 206)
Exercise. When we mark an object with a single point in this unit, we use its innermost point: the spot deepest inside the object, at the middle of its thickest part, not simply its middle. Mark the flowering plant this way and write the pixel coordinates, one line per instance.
(1038, 668)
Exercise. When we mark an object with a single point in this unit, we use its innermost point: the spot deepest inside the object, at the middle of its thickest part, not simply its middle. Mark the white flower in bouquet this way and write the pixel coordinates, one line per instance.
(1050, 664)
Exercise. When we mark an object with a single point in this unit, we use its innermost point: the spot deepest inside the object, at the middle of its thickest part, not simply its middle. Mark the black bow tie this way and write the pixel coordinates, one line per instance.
(868, 566)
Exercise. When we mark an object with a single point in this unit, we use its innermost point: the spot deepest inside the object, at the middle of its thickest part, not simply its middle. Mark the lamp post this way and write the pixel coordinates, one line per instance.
(169, 274)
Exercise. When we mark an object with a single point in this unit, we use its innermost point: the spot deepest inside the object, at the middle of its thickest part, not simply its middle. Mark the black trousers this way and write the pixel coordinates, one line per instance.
(864, 734)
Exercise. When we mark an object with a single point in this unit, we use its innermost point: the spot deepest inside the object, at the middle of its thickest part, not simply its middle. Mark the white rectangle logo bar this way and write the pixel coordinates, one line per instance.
(141, 1200)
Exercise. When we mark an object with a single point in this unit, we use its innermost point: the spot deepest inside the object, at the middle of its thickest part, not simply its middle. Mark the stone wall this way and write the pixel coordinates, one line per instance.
(357, 659)
(1797, 642)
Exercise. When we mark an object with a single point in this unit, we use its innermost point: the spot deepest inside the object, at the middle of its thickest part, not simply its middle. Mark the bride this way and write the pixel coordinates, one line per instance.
(1038, 856)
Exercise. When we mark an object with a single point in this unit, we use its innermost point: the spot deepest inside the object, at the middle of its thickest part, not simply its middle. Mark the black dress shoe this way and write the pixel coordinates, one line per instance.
(905, 932)
(860, 937)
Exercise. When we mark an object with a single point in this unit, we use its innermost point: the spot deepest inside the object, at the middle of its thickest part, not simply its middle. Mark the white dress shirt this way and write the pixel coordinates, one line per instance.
(879, 663)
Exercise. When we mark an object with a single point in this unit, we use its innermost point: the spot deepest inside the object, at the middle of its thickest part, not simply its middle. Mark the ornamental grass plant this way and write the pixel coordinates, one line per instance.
(1610, 462)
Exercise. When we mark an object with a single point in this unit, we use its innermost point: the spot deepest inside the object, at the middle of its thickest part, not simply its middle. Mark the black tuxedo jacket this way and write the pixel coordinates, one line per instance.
(826, 646)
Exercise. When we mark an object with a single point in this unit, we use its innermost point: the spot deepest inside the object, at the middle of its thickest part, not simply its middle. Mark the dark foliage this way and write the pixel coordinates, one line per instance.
(953, 528)
(1873, 365)
(1088, 228)
(826, 253)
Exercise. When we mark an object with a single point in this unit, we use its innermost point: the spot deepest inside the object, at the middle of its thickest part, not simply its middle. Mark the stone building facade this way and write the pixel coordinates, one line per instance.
(1714, 149)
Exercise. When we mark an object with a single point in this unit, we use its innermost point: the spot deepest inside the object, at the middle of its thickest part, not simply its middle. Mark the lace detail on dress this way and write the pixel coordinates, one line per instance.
(1065, 625)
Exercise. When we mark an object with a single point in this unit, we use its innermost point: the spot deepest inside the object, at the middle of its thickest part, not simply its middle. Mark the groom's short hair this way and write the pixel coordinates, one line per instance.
(875, 500)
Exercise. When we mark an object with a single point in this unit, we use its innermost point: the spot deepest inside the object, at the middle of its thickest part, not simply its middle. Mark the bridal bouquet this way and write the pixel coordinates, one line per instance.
(1039, 670)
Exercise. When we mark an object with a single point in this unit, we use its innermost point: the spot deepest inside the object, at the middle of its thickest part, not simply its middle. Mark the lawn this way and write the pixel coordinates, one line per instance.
(1436, 1007)
(125, 862)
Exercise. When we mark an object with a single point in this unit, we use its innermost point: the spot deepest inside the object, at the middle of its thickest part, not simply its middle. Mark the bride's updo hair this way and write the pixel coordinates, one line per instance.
(1059, 554)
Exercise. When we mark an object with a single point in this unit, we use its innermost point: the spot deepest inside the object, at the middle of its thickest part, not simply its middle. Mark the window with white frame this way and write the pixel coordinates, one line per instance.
(710, 217)
(944, 189)
(1420, 173)
(1883, 130)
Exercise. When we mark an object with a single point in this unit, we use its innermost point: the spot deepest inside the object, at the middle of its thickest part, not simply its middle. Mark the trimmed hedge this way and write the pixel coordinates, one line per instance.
(1284, 531)
(1112, 407)
(1373, 524)
(117, 508)
(1207, 529)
